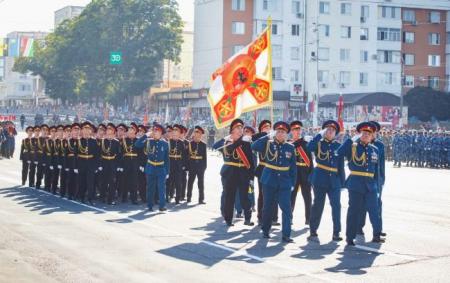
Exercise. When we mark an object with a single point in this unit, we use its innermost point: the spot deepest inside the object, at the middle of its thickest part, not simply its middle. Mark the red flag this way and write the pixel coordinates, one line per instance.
(340, 110)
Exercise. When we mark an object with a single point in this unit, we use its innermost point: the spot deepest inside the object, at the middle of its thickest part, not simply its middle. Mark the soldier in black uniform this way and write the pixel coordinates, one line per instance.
(99, 136)
(109, 156)
(87, 160)
(142, 156)
(34, 163)
(177, 157)
(183, 137)
(41, 155)
(26, 154)
(237, 171)
(121, 134)
(130, 165)
(58, 155)
(64, 170)
(72, 162)
(304, 168)
(196, 165)
(50, 159)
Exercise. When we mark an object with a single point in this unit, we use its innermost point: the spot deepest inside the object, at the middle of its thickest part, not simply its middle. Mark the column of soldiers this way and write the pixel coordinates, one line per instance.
(286, 166)
(424, 149)
(112, 163)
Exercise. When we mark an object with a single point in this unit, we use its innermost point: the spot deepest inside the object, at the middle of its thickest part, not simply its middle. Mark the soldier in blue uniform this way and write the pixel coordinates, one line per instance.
(236, 172)
(363, 181)
(447, 148)
(278, 177)
(327, 178)
(157, 167)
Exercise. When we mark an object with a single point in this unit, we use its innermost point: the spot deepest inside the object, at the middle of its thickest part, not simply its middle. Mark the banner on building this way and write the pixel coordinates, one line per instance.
(13, 47)
(244, 82)
(3, 47)
(26, 47)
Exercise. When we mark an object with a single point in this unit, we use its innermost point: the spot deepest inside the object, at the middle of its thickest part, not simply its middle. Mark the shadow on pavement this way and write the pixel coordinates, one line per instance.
(353, 261)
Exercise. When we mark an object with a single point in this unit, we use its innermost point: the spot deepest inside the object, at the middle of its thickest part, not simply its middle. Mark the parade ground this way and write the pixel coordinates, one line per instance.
(45, 238)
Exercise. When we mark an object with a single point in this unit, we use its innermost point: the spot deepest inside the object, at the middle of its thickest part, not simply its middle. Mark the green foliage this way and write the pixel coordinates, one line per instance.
(425, 103)
(74, 61)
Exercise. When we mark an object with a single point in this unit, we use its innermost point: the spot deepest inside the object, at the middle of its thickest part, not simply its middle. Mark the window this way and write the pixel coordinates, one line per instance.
(433, 82)
(434, 38)
(434, 60)
(344, 55)
(344, 78)
(265, 5)
(409, 81)
(276, 51)
(363, 79)
(238, 5)
(295, 75)
(295, 30)
(387, 56)
(409, 59)
(388, 34)
(364, 56)
(324, 54)
(324, 7)
(295, 53)
(276, 73)
(238, 28)
(408, 37)
(274, 29)
(346, 8)
(448, 37)
(323, 78)
(237, 48)
(364, 34)
(387, 12)
(346, 32)
(324, 30)
(364, 12)
(389, 78)
(434, 17)
(409, 16)
(295, 7)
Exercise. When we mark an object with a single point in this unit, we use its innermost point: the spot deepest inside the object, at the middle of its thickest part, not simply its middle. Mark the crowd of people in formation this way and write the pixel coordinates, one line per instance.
(7, 139)
(110, 163)
(284, 167)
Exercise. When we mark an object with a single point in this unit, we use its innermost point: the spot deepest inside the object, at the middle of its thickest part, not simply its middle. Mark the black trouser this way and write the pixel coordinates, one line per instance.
(233, 185)
(25, 168)
(176, 181)
(303, 185)
(86, 179)
(55, 178)
(184, 176)
(48, 177)
(260, 205)
(31, 174)
(108, 180)
(40, 174)
(63, 181)
(199, 174)
(142, 186)
(72, 184)
(130, 178)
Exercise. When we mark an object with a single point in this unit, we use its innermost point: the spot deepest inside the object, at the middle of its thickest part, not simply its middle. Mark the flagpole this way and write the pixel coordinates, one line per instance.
(269, 24)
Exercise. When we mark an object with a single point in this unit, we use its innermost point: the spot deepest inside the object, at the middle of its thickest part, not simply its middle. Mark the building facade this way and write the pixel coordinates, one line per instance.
(68, 12)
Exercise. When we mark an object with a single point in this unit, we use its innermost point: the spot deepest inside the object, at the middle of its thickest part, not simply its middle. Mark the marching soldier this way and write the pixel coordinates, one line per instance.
(327, 178)
(99, 136)
(130, 163)
(184, 173)
(142, 155)
(177, 155)
(26, 154)
(264, 128)
(304, 168)
(121, 134)
(64, 171)
(41, 155)
(87, 161)
(58, 158)
(278, 177)
(197, 163)
(50, 159)
(362, 183)
(236, 172)
(72, 162)
(157, 167)
(34, 157)
(109, 156)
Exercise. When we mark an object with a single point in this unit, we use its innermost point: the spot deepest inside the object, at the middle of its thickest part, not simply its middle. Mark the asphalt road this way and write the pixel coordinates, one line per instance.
(44, 238)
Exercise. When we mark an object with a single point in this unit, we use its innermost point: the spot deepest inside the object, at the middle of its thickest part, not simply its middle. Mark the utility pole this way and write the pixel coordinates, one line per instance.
(402, 82)
(316, 96)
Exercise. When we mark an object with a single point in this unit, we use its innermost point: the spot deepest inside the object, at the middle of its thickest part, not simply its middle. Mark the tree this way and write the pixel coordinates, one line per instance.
(425, 103)
(74, 61)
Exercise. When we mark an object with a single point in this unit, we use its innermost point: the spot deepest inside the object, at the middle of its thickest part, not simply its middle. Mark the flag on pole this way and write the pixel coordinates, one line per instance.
(340, 110)
(244, 82)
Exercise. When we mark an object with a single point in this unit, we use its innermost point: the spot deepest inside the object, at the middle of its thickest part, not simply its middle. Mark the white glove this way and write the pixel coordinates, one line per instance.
(247, 138)
(251, 183)
(67, 169)
(322, 132)
(43, 164)
(118, 170)
(271, 134)
(141, 168)
(183, 168)
(356, 137)
(36, 163)
(167, 177)
(149, 134)
(51, 167)
(75, 171)
(227, 138)
(292, 189)
(29, 162)
(59, 166)
(307, 138)
(100, 168)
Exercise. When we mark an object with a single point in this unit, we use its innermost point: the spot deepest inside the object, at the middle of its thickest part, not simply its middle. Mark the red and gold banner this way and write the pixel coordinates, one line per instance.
(243, 83)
